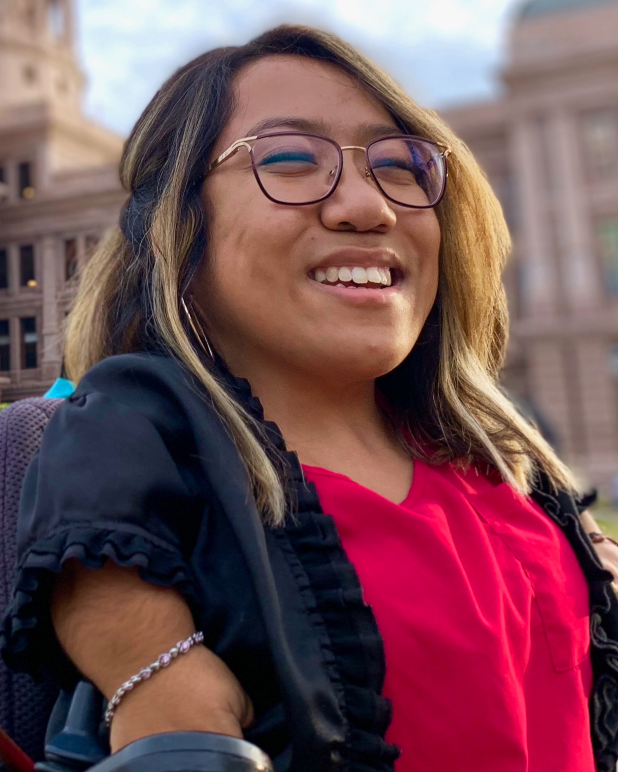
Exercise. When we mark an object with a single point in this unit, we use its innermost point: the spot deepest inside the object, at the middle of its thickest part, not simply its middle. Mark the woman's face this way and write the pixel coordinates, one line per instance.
(258, 289)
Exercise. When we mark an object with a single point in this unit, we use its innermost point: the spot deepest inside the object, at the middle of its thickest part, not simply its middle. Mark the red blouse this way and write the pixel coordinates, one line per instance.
(484, 613)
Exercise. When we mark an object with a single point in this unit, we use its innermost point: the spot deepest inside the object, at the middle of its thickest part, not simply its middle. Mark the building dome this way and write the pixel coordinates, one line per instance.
(533, 8)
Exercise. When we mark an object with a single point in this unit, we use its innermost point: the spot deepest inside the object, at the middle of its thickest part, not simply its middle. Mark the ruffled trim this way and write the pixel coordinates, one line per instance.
(27, 638)
(564, 510)
(351, 644)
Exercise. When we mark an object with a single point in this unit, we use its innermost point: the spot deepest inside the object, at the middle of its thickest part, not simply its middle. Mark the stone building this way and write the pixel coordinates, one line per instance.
(550, 149)
(549, 146)
(59, 187)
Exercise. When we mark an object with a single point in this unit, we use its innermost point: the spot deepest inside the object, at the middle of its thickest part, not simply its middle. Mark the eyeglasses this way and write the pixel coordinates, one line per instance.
(294, 168)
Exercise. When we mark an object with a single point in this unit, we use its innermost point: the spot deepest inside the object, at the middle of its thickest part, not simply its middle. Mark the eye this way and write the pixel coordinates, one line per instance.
(394, 163)
(290, 158)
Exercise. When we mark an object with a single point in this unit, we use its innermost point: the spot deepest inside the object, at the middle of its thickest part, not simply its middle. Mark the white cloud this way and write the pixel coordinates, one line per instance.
(443, 51)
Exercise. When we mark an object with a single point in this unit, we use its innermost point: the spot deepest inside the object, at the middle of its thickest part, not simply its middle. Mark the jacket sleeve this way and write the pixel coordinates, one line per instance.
(113, 480)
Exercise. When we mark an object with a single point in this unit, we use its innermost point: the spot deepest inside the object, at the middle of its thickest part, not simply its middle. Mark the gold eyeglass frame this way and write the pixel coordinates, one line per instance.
(445, 151)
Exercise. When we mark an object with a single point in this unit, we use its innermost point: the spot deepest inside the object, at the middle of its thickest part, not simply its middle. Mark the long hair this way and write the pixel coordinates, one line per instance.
(445, 397)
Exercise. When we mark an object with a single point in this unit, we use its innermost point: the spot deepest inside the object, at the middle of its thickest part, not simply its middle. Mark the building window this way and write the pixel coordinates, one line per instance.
(29, 73)
(4, 188)
(612, 361)
(26, 190)
(5, 346)
(607, 241)
(92, 242)
(4, 269)
(544, 158)
(56, 19)
(28, 343)
(28, 13)
(600, 136)
(26, 266)
(70, 258)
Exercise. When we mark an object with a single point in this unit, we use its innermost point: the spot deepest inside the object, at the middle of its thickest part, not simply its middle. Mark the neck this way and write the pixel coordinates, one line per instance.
(326, 421)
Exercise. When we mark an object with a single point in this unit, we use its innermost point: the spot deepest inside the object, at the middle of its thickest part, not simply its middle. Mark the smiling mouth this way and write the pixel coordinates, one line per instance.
(355, 277)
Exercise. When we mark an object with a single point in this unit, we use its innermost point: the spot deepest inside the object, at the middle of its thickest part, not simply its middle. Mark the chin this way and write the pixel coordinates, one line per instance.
(361, 363)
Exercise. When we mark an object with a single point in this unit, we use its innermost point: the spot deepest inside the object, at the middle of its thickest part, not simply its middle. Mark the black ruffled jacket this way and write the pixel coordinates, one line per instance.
(136, 466)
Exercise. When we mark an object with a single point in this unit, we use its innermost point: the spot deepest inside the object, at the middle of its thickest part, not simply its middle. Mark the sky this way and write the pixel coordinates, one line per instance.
(444, 52)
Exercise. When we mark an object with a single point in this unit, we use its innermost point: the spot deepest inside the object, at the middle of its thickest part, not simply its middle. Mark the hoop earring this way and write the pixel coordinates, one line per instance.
(198, 331)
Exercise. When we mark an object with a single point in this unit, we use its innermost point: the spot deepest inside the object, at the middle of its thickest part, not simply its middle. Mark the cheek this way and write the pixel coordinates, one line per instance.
(430, 238)
(247, 224)
(424, 239)
(239, 233)
(250, 242)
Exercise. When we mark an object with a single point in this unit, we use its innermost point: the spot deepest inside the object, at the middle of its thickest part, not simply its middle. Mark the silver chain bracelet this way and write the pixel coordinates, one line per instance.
(182, 647)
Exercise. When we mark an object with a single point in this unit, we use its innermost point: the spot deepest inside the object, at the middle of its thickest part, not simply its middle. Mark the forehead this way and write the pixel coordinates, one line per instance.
(286, 86)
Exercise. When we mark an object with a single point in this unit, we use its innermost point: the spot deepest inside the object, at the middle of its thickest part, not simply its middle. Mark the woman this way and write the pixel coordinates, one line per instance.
(290, 226)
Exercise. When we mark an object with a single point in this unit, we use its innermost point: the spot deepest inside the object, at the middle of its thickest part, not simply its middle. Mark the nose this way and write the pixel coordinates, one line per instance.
(356, 203)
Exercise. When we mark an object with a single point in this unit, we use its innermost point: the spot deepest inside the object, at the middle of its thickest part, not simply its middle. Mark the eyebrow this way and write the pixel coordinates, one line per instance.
(364, 131)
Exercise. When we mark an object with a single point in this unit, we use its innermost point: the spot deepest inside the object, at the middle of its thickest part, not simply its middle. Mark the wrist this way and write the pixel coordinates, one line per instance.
(596, 537)
(163, 661)
(189, 700)
(196, 693)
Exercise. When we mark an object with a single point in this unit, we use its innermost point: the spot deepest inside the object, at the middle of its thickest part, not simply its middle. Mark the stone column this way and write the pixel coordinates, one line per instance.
(15, 341)
(14, 322)
(13, 255)
(549, 391)
(49, 344)
(69, 24)
(81, 253)
(10, 171)
(41, 173)
(599, 408)
(539, 294)
(580, 278)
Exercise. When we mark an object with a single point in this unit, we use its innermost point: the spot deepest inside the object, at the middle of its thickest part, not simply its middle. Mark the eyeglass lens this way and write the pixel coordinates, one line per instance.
(297, 168)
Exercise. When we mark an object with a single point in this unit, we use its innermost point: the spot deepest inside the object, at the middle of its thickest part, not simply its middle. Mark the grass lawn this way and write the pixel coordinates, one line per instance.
(607, 517)
(609, 527)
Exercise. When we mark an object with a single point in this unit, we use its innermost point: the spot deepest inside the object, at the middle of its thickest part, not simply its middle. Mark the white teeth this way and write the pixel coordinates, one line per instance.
(385, 275)
(340, 285)
(359, 275)
(332, 274)
(345, 274)
(356, 274)
(374, 275)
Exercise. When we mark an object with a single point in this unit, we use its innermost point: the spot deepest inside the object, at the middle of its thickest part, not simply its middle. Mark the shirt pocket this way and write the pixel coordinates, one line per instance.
(559, 586)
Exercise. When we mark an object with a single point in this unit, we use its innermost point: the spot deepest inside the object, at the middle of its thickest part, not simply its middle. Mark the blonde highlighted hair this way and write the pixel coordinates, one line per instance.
(445, 396)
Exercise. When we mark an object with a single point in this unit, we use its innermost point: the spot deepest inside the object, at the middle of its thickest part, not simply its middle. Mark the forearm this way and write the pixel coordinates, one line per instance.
(607, 550)
(111, 624)
(589, 523)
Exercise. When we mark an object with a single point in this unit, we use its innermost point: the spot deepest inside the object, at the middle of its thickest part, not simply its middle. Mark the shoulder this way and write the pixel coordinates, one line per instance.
(133, 376)
(136, 387)
(130, 405)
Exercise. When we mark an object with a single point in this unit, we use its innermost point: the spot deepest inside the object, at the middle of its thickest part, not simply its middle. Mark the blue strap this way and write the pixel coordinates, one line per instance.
(61, 389)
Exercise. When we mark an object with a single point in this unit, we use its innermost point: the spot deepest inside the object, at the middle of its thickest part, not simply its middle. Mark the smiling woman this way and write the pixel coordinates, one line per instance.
(288, 436)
